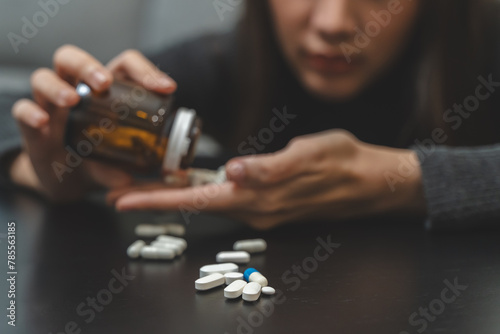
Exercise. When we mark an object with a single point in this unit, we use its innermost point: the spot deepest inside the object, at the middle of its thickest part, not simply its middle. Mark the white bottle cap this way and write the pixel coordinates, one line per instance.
(178, 141)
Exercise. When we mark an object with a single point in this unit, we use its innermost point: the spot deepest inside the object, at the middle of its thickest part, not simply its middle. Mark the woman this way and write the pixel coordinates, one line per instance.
(392, 74)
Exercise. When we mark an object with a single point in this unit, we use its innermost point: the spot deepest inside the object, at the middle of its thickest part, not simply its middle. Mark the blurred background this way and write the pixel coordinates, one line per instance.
(102, 27)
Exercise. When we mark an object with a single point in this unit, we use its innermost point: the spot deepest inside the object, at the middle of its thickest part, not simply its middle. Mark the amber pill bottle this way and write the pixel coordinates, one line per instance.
(133, 128)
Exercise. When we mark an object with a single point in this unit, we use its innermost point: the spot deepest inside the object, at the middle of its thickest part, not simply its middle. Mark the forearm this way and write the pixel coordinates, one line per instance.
(462, 186)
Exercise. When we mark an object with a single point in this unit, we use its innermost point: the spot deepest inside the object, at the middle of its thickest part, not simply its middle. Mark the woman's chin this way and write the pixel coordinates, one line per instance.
(332, 89)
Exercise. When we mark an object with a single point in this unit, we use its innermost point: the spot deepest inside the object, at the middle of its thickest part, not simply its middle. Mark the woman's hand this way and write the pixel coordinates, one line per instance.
(330, 175)
(42, 121)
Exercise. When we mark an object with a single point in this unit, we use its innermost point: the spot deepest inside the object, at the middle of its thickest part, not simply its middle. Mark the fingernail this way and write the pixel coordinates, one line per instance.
(99, 78)
(236, 171)
(165, 82)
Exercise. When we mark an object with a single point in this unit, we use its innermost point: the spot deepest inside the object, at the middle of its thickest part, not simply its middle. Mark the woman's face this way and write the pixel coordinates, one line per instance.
(337, 47)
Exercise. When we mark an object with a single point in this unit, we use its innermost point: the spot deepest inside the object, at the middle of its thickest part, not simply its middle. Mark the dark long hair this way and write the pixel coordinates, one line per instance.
(456, 43)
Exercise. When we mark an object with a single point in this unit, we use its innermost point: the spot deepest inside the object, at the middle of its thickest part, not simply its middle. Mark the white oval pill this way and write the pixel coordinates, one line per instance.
(175, 247)
(232, 256)
(209, 282)
(175, 243)
(175, 229)
(134, 250)
(220, 177)
(250, 245)
(150, 252)
(220, 268)
(235, 289)
(251, 291)
(267, 290)
(173, 240)
(231, 277)
(149, 230)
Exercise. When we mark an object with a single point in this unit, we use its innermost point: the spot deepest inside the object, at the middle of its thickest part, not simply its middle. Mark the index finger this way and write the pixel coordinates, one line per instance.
(132, 64)
(73, 65)
(211, 197)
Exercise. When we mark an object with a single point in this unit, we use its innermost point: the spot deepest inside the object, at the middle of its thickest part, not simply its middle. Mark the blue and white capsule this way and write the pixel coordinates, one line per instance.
(252, 275)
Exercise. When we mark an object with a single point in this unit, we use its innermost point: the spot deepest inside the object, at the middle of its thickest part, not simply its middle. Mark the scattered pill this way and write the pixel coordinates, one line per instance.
(233, 256)
(198, 177)
(209, 282)
(252, 275)
(221, 175)
(250, 245)
(150, 231)
(173, 240)
(251, 291)
(235, 289)
(134, 250)
(176, 180)
(267, 290)
(175, 229)
(177, 248)
(150, 252)
(231, 277)
(220, 268)
(154, 230)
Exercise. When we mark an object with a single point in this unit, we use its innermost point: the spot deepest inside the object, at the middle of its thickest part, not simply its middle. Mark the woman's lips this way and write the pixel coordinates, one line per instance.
(331, 64)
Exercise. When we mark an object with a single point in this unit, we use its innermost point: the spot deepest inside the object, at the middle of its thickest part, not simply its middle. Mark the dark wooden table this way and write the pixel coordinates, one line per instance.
(377, 276)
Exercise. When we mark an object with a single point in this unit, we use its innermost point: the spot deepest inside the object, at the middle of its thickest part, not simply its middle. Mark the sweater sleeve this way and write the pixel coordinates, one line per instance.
(462, 186)
(9, 134)
(10, 139)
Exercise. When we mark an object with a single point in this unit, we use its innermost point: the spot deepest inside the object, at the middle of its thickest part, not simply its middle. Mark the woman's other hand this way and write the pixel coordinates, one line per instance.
(329, 176)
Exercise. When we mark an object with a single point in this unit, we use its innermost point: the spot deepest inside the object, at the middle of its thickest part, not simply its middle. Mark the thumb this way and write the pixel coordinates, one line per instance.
(262, 170)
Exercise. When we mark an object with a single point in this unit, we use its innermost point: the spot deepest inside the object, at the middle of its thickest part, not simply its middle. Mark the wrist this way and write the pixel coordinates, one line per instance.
(414, 188)
(399, 175)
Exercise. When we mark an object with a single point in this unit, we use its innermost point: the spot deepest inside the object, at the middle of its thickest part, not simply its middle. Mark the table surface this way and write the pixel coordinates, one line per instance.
(382, 276)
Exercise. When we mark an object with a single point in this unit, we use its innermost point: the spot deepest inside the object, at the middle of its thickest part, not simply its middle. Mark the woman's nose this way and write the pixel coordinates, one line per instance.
(333, 19)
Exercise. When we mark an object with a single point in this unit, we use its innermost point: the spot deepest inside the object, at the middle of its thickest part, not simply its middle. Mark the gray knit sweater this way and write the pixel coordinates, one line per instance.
(461, 185)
